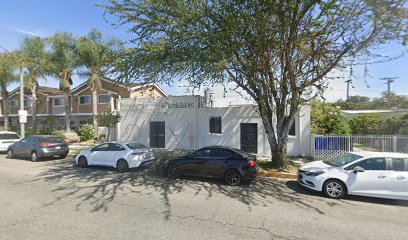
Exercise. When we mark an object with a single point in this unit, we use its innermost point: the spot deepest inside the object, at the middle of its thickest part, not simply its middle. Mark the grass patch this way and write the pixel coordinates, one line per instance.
(268, 167)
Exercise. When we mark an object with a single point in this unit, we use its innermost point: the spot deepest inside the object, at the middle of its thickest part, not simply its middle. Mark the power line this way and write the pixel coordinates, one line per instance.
(389, 80)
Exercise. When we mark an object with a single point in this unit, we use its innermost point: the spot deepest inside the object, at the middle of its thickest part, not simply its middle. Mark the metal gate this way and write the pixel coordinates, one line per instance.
(249, 137)
(157, 134)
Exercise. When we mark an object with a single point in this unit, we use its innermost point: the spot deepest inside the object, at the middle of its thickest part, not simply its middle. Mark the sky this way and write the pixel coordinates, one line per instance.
(21, 18)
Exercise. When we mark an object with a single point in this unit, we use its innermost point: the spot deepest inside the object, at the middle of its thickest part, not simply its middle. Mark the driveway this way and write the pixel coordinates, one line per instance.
(55, 200)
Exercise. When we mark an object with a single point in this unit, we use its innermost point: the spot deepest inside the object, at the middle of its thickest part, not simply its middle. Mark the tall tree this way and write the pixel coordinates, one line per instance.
(279, 52)
(97, 55)
(34, 57)
(63, 62)
(7, 67)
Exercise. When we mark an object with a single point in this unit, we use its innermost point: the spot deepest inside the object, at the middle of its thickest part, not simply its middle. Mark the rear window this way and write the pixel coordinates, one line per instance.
(9, 136)
(54, 140)
(135, 145)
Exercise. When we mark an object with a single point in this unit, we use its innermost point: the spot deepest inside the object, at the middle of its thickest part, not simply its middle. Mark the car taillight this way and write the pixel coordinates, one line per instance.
(251, 163)
(66, 142)
(44, 144)
(137, 153)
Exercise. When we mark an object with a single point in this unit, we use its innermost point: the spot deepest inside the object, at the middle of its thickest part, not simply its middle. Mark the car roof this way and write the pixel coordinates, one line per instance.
(8, 132)
(366, 154)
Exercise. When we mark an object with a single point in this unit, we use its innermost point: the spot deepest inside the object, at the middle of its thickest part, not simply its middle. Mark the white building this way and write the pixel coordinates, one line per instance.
(183, 122)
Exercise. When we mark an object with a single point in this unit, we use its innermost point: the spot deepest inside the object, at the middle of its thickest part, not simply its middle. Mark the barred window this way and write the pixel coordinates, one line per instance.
(215, 125)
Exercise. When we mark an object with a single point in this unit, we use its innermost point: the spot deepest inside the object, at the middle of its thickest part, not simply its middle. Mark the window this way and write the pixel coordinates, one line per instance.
(202, 153)
(103, 99)
(102, 147)
(116, 147)
(58, 101)
(292, 130)
(27, 102)
(371, 164)
(135, 145)
(398, 164)
(215, 125)
(85, 100)
(13, 103)
(4, 136)
(220, 153)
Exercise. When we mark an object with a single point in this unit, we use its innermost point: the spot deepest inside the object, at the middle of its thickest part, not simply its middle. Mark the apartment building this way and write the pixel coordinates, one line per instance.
(51, 102)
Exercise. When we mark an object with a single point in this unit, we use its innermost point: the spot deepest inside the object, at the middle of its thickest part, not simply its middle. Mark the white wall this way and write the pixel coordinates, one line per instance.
(187, 125)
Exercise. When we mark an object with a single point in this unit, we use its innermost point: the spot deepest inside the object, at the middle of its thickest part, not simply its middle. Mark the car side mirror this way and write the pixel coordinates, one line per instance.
(358, 169)
(92, 150)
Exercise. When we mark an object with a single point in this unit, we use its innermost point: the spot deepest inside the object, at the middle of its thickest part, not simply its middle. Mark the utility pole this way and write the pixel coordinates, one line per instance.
(348, 89)
(389, 80)
(22, 114)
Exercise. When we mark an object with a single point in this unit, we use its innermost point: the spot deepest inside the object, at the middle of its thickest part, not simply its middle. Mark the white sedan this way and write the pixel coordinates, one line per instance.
(8, 138)
(120, 155)
(372, 174)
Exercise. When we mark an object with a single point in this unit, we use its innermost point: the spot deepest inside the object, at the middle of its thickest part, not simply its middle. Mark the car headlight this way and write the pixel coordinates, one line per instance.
(317, 173)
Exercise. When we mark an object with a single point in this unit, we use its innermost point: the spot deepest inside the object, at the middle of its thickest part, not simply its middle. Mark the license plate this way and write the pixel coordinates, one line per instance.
(57, 147)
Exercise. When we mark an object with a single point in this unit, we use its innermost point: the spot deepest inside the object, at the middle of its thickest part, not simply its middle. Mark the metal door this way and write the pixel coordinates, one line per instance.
(157, 134)
(249, 137)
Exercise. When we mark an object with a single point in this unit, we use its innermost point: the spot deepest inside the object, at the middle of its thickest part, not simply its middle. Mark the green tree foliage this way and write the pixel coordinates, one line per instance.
(35, 60)
(7, 66)
(97, 55)
(86, 132)
(366, 124)
(326, 119)
(63, 62)
(365, 103)
(276, 51)
(109, 120)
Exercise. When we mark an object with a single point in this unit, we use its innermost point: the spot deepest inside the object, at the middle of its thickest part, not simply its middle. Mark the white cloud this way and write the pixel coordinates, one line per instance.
(37, 33)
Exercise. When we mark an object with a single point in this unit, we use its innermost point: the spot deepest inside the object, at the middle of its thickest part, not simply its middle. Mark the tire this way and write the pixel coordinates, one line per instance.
(122, 165)
(173, 171)
(63, 156)
(232, 177)
(334, 188)
(34, 156)
(10, 153)
(82, 162)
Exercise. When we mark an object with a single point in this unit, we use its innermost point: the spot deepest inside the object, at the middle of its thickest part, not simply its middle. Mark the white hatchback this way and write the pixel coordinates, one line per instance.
(7, 138)
(372, 174)
(120, 155)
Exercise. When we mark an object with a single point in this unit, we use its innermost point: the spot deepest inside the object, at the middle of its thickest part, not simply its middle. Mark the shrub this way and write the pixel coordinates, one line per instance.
(70, 136)
(86, 132)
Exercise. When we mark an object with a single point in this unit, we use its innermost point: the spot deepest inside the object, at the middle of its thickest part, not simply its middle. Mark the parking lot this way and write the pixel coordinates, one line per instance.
(53, 199)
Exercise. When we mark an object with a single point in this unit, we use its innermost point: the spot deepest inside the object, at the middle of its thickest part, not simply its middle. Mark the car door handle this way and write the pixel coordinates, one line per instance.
(400, 178)
(381, 176)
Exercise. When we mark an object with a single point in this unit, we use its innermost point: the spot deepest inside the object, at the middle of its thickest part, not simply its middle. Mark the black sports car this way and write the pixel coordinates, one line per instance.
(232, 165)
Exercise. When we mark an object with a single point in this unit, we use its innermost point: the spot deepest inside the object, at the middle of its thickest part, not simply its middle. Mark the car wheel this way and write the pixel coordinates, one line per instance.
(82, 162)
(233, 177)
(173, 171)
(333, 188)
(63, 156)
(10, 153)
(122, 165)
(34, 156)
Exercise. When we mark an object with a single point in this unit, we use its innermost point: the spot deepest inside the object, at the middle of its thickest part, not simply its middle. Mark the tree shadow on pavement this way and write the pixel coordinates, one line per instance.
(98, 187)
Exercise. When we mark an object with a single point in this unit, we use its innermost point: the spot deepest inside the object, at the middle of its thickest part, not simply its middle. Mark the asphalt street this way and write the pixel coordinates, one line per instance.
(54, 199)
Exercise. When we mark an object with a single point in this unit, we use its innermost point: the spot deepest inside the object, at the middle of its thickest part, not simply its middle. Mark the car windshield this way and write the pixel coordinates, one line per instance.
(342, 160)
(135, 145)
(9, 136)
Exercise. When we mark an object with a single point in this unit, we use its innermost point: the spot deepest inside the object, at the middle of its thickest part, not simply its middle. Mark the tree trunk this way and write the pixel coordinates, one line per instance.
(94, 106)
(107, 137)
(67, 105)
(4, 108)
(34, 108)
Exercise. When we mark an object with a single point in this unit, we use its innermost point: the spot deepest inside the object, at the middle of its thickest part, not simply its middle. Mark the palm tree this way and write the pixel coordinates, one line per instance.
(7, 67)
(33, 55)
(63, 62)
(97, 56)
